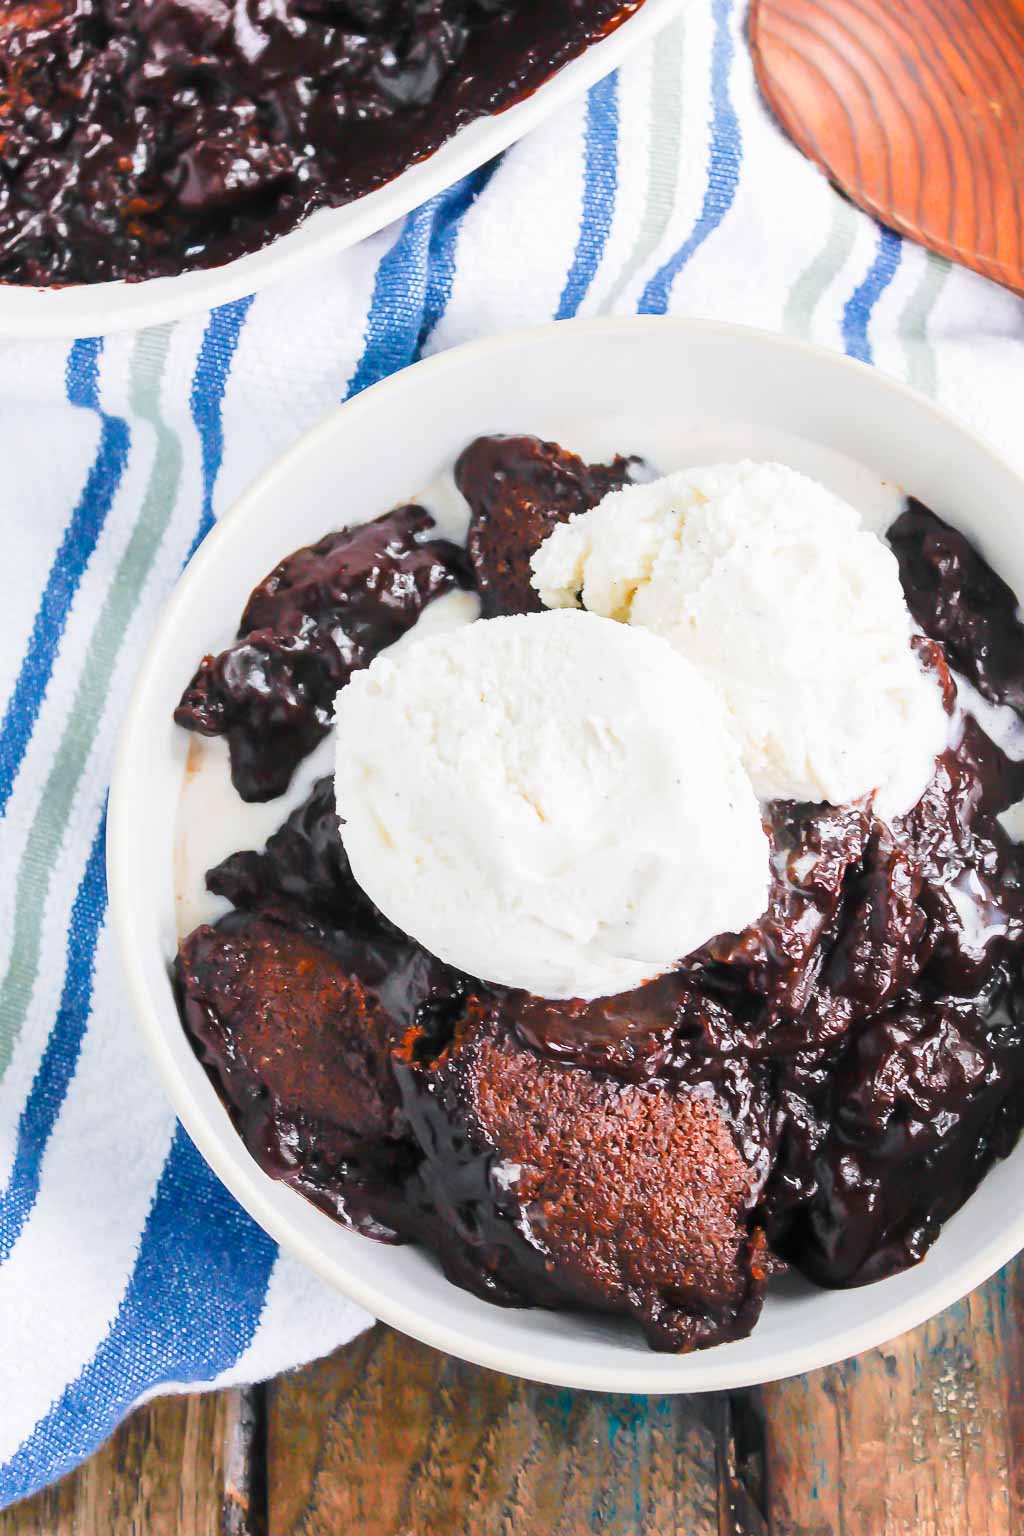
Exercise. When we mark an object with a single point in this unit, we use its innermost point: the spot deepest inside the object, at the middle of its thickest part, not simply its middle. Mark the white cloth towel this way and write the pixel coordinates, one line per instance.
(125, 1269)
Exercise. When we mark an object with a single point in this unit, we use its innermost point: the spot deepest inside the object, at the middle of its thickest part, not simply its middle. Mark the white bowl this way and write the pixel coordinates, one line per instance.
(97, 309)
(578, 382)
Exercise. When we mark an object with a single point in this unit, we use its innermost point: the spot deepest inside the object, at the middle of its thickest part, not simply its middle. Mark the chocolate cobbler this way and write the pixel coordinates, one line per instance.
(143, 138)
(820, 1091)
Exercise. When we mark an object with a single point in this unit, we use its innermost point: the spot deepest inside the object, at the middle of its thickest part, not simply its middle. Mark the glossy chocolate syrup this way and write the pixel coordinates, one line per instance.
(519, 488)
(324, 612)
(142, 138)
(844, 1071)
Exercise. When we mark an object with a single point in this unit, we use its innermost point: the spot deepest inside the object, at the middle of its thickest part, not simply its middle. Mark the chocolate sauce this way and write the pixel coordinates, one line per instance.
(957, 598)
(323, 613)
(518, 488)
(825, 1088)
(143, 138)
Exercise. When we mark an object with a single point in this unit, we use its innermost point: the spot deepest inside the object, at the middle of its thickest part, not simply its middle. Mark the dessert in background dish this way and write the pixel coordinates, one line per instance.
(820, 1088)
(144, 138)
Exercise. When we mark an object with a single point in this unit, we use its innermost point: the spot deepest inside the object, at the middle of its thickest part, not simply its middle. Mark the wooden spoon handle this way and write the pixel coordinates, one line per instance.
(914, 108)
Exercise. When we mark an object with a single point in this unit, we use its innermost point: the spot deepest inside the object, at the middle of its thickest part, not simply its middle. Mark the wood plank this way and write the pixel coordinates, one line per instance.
(920, 1438)
(924, 1437)
(390, 1437)
(180, 1466)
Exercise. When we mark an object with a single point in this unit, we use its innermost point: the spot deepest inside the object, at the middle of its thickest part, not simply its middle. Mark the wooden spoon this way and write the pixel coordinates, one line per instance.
(914, 108)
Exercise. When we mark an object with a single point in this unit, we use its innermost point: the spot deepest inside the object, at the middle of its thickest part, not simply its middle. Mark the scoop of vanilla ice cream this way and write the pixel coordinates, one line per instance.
(787, 606)
(552, 802)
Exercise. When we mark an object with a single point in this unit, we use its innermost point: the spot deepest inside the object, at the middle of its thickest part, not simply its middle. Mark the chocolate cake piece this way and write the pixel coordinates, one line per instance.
(298, 1045)
(675, 1029)
(324, 612)
(518, 488)
(586, 1191)
(281, 1021)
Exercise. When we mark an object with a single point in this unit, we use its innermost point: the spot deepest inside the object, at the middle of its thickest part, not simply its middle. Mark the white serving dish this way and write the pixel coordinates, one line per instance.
(384, 446)
(97, 309)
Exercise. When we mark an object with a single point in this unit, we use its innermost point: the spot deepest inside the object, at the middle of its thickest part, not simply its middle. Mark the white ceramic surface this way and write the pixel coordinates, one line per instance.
(383, 447)
(97, 309)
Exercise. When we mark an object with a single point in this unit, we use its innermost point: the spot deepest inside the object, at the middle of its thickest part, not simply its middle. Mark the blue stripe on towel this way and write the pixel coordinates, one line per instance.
(600, 183)
(861, 304)
(190, 1308)
(213, 368)
(80, 538)
(199, 1284)
(395, 320)
(724, 160)
(57, 1067)
(444, 245)
(409, 295)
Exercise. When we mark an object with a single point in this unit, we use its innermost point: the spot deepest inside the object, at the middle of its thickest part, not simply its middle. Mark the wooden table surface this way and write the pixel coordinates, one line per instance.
(924, 1437)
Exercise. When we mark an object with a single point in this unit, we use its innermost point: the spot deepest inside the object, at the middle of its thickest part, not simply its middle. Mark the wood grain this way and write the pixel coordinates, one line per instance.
(390, 1437)
(914, 108)
(181, 1466)
(920, 1438)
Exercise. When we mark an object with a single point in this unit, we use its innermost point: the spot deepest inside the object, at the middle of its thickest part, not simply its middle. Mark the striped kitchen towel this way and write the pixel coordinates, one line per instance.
(125, 1269)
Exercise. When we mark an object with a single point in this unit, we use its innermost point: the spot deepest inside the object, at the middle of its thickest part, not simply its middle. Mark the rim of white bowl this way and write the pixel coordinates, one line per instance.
(96, 309)
(704, 1372)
